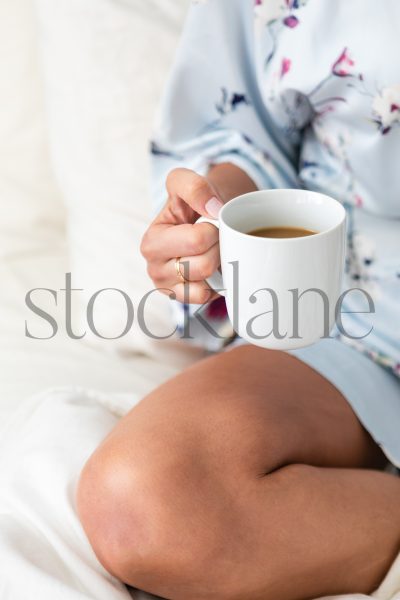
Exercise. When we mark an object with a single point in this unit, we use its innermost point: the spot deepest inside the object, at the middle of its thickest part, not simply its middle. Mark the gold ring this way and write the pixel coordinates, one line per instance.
(178, 270)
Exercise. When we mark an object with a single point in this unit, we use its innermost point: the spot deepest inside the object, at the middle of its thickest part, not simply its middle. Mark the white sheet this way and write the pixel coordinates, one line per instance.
(42, 546)
(43, 550)
(28, 366)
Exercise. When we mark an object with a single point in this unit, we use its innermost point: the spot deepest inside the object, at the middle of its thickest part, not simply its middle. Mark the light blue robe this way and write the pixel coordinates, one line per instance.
(300, 94)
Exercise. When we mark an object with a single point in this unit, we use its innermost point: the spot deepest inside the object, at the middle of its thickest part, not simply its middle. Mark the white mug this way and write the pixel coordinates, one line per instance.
(281, 293)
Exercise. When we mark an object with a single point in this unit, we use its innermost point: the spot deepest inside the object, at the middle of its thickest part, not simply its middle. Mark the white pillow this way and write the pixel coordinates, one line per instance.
(105, 64)
(31, 209)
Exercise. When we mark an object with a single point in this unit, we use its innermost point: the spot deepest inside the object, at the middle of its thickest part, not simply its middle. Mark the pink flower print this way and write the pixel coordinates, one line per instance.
(285, 66)
(325, 110)
(342, 66)
(386, 108)
(291, 21)
(358, 201)
(275, 15)
(270, 12)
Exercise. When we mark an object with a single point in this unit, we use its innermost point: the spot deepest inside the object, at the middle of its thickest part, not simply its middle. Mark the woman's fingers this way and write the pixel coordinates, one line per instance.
(195, 190)
(193, 292)
(196, 268)
(192, 268)
(173, 235)
(161, 242)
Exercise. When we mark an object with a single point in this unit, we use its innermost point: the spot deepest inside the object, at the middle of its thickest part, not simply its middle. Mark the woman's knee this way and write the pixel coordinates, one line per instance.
(184, 527)
(109, 509)
(144, 522)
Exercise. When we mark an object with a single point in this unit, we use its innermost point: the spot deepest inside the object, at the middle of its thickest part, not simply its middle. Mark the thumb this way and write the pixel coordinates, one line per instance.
(195, 190)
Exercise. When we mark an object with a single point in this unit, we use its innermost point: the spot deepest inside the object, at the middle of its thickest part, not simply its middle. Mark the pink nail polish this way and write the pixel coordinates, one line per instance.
(213, 206)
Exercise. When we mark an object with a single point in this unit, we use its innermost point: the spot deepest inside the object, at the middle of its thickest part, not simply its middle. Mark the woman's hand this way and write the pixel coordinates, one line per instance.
(174, 234)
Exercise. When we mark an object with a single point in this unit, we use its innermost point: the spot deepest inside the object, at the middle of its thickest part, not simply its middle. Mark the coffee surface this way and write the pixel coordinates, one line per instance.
(281, 232)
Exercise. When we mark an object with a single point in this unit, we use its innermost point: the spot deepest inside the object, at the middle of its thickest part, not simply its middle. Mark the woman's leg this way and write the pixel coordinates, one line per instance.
(245, 477)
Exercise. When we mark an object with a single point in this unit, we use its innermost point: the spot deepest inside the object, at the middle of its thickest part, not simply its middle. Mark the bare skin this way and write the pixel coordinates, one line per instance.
(173, 233)
(246, 477)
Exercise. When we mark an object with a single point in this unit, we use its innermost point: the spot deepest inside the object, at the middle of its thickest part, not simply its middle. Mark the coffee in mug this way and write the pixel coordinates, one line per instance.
(281, 232)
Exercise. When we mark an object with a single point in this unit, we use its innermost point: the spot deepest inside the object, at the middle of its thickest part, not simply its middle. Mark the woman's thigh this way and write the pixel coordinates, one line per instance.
(252, 410)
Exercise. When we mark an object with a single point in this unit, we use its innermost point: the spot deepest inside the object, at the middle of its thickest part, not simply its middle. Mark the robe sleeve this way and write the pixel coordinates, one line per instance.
(212, 110)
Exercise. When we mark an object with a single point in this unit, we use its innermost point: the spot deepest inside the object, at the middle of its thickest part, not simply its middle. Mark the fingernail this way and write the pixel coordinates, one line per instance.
(213, 206)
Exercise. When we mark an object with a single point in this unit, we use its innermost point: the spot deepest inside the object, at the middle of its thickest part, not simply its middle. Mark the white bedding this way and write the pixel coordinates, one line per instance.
(28, 365)
(42, 544)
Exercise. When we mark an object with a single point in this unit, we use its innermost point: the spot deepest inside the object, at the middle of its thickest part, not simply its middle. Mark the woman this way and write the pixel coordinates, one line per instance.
(257, 474)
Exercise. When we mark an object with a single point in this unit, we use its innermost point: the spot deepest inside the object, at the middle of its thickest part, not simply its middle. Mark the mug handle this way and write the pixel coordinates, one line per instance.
(215, 280)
